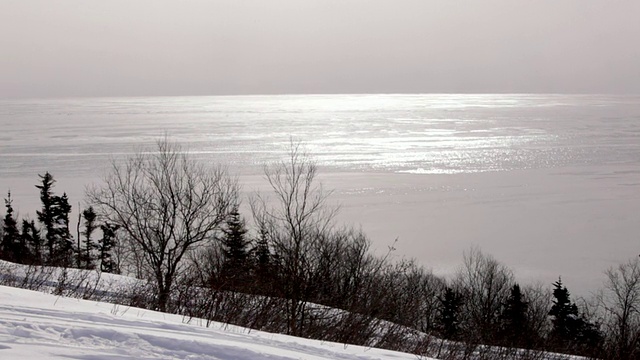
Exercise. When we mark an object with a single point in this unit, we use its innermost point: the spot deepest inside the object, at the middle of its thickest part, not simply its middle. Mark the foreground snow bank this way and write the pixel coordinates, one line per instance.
(35, 325)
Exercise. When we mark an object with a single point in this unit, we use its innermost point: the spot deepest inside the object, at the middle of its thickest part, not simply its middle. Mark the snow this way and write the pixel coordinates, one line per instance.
(35, 325)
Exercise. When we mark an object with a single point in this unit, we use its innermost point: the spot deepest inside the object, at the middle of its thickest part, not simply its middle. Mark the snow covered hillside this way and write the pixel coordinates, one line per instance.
(35, 325)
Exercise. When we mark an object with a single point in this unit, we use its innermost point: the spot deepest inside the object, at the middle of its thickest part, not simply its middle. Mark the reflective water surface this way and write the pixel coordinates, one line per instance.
(532, 179)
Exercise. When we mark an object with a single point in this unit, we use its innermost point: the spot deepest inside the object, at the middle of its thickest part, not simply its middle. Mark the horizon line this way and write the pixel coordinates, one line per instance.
(74, 97)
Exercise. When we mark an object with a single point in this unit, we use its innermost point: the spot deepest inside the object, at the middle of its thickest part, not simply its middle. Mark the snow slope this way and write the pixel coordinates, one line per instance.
(35, 325)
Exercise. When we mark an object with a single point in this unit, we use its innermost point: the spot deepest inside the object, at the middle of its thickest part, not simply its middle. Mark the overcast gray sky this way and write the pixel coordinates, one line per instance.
(54, 48)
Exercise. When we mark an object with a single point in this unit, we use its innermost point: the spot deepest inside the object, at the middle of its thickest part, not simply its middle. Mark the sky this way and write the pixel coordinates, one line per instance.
(65, 48)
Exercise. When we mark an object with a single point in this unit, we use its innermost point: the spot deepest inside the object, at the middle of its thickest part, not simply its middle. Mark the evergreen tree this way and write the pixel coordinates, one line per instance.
(261, 252)
(263, 262)
(54, 216)
(90, 226)
(64, 241)
(564, 314)
(447, 320)
(33, 241)
(514, 324)
(571, 331)
(10, 246)
(1, 235)
(235, 249)
(47, 214)
(590, 338)
(107, 243)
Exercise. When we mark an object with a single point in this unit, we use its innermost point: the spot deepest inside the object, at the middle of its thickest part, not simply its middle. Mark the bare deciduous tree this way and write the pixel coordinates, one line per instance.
(539, 300)
(485, 285)
(166, 204)
(295, 220)
(621, 303)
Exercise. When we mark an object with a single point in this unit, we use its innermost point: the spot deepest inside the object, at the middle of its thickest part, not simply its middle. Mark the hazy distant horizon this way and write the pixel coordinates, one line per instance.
(59, 48)
(70, 97)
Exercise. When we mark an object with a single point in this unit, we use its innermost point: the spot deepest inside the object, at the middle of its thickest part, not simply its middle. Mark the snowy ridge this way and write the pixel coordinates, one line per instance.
(45, 326)
(35, 325)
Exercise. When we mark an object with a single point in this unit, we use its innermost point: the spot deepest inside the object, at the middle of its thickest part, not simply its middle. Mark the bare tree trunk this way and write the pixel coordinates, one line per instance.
(298, 214)
(621, 302)
(166, 205)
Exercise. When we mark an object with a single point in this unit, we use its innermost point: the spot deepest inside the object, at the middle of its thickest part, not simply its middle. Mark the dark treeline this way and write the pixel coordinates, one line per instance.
(49, 241)
(164, 218)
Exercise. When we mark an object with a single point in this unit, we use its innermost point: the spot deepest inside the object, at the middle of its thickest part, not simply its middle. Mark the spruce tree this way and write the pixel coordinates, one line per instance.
(589, 337)
(54, 216)
(514, 326)
(234, 246)
(564, 313)
(90, 226)
(571, 331)
(1, 236)
(64, 241)
(47, 214)
(261, 252)
(448, 320)
(235, 249)
(107, 243)
(262, 260)
(234, 237)
(33, 240)
(10, 245)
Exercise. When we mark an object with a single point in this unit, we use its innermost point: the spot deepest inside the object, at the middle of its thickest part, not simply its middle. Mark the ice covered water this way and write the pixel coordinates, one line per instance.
(549, 184)
(420, 134)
